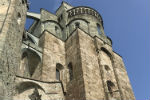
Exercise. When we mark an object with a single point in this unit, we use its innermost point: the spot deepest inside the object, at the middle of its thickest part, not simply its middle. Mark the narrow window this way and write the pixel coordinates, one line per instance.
(56, 30)
(23, 1)
(77, 24)
(79, 11)
(59, 68)
(70, 71)
(110, 86)
(83, 10)
(19, 18)
(24, 36)
(57, 74)
(60, 18)
(86, 11)
(99, 29)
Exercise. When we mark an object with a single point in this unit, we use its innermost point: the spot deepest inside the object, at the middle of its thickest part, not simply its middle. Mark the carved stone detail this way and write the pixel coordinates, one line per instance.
(35, 95)
(83, 10)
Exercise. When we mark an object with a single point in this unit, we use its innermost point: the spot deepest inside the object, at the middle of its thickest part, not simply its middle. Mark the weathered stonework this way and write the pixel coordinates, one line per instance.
(12, 19)
(66, 56)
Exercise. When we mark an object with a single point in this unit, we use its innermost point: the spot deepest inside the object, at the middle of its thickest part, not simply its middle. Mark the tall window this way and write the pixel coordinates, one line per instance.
(70, 71)
(23, 1)
(57, 74)
(60, 18)
(19, 18)
(110, 86)
(56, 30)
(99, 29)
(59, 68)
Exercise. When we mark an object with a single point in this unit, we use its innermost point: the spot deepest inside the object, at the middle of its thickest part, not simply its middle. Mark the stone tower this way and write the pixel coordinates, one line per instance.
(12, 20)
(62, 56)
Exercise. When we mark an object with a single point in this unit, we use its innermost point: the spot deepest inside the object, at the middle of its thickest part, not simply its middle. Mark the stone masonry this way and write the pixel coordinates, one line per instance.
(62, 56)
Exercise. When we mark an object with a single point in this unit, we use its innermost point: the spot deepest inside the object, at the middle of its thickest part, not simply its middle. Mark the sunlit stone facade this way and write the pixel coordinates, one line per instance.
(62, 56)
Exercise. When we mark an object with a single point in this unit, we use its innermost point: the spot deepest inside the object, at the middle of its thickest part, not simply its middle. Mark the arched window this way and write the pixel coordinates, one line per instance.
(110, 86)
(57, 74)
(99, 29)
(59, 67)
(70, 71)
(30, 63)
(19, 18)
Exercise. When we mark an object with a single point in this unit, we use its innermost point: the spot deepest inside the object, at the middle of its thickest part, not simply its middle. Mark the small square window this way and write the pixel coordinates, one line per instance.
(77, 24)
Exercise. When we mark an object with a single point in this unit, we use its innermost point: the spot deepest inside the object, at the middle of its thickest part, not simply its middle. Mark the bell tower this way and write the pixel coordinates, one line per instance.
(96, 72)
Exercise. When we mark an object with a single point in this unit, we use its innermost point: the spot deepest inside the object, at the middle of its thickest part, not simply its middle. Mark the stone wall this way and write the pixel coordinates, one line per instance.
(105, 59)
(46, 90)
(92, 80)
(53, 53)
(66, 61)
(54, 28)
(75, 85)
(45, 15)
(12, 20)
(97, 73)
(122, 79)
(81, 24)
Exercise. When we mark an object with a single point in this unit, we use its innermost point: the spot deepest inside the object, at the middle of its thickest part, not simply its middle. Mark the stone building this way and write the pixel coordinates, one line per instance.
(63, 56)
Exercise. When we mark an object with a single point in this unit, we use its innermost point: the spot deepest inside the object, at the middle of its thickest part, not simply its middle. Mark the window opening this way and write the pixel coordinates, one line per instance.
(110, 86)
(57, 74)
(99, 29)
(56, 30)
(60, 18)
(59, 67)
(23, 1)
(77, 24)
(70, 71)
(19, 18)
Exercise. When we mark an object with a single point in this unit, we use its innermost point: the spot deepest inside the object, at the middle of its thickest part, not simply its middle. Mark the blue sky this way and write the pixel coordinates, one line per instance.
(127, 23)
